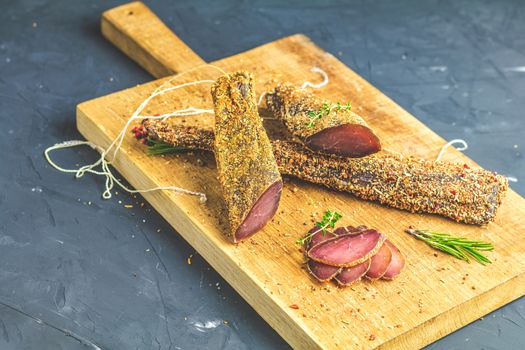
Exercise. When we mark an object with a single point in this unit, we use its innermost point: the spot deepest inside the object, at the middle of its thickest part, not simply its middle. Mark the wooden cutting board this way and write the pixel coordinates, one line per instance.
(435, 294)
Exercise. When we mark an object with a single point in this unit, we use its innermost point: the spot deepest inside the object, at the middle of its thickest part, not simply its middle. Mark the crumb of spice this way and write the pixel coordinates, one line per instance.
(372, 337)
(294, 306)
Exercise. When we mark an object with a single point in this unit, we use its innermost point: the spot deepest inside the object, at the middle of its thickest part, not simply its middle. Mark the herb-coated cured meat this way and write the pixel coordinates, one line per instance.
(248, 174)
(322, 126)
(457, 191)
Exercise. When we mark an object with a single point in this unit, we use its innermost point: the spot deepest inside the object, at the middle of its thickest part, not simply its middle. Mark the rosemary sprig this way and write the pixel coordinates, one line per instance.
(329, 219)
(156, 148)
(458, 247)
(325, 110)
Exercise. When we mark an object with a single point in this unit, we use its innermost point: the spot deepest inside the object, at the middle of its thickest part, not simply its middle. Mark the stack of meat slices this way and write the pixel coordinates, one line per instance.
(349, 253)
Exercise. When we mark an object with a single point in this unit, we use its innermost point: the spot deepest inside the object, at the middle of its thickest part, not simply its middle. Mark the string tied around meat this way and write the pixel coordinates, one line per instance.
(463, 143)
(318, 85)
(101, 167)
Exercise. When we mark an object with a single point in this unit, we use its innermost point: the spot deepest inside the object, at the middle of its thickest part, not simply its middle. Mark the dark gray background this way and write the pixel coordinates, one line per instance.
(74, 264)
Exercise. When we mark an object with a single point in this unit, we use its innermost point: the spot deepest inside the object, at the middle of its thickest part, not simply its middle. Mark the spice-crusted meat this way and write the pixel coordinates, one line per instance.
(322, 126)
(248, 173)
(452, 190)
(456, 191)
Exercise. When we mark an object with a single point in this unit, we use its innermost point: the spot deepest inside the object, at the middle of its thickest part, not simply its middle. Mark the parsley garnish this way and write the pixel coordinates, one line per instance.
(325, 110)
(329, 219)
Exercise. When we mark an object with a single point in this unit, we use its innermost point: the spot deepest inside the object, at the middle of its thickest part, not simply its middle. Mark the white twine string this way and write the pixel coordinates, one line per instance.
(116, 144)
(261, 98)
(450, 143)
(305, 85)
(105, 171)
(462, 148)
(110, 178)
(319, 85)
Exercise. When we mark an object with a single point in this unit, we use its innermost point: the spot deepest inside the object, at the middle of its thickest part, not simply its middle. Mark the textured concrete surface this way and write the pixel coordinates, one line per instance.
(78, 272)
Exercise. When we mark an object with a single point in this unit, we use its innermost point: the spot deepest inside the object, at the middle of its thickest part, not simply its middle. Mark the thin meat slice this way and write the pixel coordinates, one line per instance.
(322, 272)
(322, 126)
(349, 275)
(379, 263)
(347, 140)
(318, 237)
(348, 249)
(397, 263)
(349, 229)
(248, 173)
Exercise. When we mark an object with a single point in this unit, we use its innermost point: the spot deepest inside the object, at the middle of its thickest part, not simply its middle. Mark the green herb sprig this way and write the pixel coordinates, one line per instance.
(329, 220)
(325, 110)
(156, 148)
(458, 247)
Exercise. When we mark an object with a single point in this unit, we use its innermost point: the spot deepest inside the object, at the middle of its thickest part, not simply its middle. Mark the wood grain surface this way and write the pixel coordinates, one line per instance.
(433, 296)
(141, 35)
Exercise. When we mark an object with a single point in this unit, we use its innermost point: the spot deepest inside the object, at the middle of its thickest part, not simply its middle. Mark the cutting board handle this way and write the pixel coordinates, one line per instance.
(142, 36)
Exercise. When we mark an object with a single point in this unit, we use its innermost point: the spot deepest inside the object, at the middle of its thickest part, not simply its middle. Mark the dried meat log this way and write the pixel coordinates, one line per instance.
(349, 275)
(456, 191)
(397, 263)
(348, 249)
(248, 174)
(322, 126)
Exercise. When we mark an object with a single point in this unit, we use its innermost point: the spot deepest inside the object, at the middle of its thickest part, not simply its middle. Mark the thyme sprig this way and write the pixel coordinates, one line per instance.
(156, 148)
(329, 220)
(458, 247)
(325, 110)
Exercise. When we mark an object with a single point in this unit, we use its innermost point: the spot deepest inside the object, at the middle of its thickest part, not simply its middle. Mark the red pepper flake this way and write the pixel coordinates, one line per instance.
(463, 175)
(453, 191)
(465, 166)
(294, 306)
(156, 114)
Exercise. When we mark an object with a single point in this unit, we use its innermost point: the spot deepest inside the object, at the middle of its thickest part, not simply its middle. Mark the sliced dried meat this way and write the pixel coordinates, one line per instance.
(379, 263)
(318, 237)
(397, 263)
(348, 249)
(322, 272)
(349, 275)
